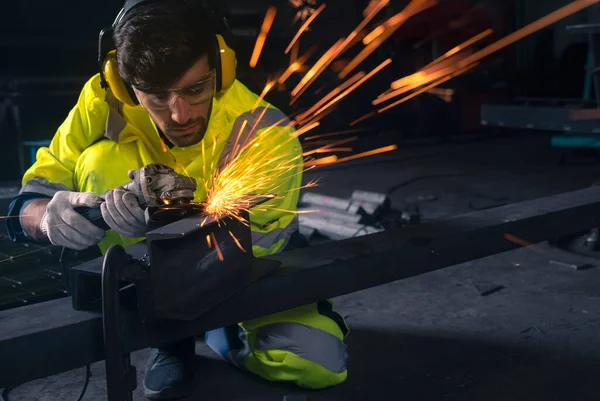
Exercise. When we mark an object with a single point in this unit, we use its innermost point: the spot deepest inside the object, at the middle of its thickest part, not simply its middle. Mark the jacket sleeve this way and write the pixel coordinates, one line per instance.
(54, 166)
(275, 157)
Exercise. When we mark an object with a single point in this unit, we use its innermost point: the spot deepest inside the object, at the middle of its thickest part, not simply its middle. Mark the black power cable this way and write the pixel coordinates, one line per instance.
(88, 375)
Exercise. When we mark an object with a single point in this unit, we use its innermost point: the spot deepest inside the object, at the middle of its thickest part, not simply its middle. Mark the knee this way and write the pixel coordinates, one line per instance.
(317, 378)
(307, 356)
(103, 166)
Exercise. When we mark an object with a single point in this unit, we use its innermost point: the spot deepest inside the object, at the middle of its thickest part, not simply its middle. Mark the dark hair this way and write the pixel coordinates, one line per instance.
(158, 42)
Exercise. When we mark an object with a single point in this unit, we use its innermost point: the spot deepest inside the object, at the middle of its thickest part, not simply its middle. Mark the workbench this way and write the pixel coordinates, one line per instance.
(51, 337)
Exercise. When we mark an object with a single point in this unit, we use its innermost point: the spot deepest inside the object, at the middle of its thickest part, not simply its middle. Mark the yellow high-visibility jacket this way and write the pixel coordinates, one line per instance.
(101, 139)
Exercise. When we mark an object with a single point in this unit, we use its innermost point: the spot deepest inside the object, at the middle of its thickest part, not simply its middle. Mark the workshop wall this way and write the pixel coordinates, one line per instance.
(551, 62)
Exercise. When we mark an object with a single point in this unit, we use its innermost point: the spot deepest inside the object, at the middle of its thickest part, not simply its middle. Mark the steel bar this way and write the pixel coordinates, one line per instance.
(49, 338)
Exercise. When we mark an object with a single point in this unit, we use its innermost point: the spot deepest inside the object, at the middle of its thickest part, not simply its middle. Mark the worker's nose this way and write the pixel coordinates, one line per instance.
(181, 111)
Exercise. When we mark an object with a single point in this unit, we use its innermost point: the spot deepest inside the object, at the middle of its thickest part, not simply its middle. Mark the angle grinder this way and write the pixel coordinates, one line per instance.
(165, 195)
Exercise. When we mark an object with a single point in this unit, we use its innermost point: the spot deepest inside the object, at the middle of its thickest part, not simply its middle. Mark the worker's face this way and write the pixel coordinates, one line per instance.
(182, 112)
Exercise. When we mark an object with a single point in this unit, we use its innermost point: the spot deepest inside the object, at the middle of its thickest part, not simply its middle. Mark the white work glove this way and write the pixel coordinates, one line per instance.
(122, 212)
(65, 227)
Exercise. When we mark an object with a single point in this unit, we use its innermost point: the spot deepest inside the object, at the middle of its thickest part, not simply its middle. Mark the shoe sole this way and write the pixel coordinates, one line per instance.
(169, 393)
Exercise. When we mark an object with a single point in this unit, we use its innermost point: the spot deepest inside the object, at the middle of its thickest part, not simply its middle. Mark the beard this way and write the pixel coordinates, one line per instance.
(176, 134)
(182, 135)
(187, 134)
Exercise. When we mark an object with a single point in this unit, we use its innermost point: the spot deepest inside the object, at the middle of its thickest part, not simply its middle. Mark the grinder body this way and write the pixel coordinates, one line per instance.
(158, 188)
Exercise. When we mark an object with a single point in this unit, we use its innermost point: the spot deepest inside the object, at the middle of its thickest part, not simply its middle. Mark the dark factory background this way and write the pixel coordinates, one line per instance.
(49, 49)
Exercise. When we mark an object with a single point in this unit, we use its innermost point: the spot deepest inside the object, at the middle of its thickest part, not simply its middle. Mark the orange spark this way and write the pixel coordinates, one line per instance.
(356, 85)
(352, 38)
(163, 145)
(319, 117)
(462, 46)
(368, 153)
(261, 169)
(385, 92)
(426, 88)
(304, 27)
(329, 96)
(373, 5)
(321, 161)
(305, 129)
(311, 184)
(262, 114)
(379, 39)
(523, 243)
(444, 94)
(314, 72)
(412, 79)
(527, 30)
(340, 142)
(438, 64)
(234, 149)
(296, 65)
(397, 19)
(264, 92)
(330, 55)
(348, 131)
(24, 254)
(262, 36)
(219, 254)
(295, 50)
(406, 84)
(208, 241)
(363, 118)
(237, 242)
(204, 221)
(330, 150)
(517, 240)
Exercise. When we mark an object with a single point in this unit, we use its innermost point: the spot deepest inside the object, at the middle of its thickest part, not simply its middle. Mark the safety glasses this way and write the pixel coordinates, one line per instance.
(196, 93)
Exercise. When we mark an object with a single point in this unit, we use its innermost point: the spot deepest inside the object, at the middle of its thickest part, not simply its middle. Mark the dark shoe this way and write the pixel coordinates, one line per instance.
(170, 372)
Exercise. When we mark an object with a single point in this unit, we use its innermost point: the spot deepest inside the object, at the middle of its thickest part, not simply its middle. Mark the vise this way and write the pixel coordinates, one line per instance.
(179, 272)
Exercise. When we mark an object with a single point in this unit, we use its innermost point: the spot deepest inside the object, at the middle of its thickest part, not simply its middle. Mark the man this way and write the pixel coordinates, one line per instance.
(166, 53)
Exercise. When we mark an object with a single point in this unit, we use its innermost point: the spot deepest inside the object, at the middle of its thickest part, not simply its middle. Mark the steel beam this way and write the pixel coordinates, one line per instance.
(49, 338)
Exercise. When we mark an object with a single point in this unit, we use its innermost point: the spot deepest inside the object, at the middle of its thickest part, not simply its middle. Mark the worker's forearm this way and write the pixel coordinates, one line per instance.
(31, 217)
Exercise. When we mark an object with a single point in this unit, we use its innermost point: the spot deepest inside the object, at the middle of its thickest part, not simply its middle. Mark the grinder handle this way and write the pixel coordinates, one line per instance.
(93, 214)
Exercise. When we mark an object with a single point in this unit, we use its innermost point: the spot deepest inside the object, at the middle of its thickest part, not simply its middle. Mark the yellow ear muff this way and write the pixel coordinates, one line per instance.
(114, 80)
(228, 64)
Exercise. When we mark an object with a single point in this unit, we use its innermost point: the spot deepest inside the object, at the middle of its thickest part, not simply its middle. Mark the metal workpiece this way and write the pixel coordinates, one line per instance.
(195, 263)
(182, 269)
(194, 266)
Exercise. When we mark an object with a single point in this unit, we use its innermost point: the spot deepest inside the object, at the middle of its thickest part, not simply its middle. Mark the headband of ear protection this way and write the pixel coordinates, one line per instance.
(225, 59)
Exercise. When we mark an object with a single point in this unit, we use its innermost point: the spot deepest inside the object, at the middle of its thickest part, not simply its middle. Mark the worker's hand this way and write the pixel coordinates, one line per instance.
(65, 227)
(122, 212)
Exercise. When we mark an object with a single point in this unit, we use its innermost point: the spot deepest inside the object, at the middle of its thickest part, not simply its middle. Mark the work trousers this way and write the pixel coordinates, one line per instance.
(305, 346)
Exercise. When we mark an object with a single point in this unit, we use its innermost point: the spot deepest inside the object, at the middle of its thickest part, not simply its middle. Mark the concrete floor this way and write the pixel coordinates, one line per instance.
(434, 337)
